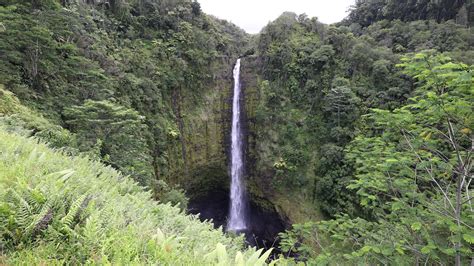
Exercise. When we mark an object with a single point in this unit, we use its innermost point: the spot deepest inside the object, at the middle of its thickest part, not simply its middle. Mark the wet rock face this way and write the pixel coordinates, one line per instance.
(264, 225)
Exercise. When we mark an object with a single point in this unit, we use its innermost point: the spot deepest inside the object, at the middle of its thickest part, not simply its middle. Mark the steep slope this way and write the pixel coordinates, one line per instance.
(57, 209)
(315, 87)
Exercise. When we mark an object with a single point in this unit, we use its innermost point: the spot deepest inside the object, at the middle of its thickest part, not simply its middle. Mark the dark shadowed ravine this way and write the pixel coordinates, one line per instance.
(263, 225)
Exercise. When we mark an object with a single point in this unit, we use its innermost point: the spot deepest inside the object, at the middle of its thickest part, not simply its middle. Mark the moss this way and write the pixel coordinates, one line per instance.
(292, 207)
(204, 178)
(258, 197)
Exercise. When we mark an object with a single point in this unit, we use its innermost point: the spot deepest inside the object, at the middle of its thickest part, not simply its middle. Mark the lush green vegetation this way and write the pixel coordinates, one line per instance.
(359, 133)
(317, 81)
(370, 120)
(413, 178)
(124, 76)
(58, 209)
(367, 12)
(121, 84)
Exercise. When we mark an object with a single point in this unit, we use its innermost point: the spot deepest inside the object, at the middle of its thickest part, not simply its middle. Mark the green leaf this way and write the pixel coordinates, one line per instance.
(400, 250)
(397, 206)
(264, 257)
(426, 250)
(416, 226)
(376, 249)
(469, 238)
(449, 251)
(366, 249)
(254, 257)
(454, 228)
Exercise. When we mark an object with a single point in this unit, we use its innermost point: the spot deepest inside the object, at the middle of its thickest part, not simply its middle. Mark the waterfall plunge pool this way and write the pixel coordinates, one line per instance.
(263, 225)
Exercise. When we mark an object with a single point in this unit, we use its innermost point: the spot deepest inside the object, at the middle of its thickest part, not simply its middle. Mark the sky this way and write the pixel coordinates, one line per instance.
(253, 15)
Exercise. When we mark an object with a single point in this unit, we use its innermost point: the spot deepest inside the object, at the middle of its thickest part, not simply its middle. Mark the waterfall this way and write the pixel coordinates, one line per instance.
(237, 221)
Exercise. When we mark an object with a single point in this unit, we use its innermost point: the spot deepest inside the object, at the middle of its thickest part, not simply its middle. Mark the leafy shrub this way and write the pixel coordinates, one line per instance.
(17, 117)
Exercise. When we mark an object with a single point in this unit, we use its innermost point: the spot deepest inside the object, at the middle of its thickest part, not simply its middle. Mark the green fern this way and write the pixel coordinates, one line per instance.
(73, 211)
(24, 210)
(35, 199)
(220, 257)
(92, 230)
(41, 220)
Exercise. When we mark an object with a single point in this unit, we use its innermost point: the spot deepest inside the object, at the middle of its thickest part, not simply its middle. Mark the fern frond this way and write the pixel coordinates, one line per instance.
(92, 230)
(73, 211)
(35, 199)
(41, 220)
(24, 210)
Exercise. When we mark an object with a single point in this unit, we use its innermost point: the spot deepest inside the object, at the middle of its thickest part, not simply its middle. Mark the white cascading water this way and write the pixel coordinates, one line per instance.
(237, 221)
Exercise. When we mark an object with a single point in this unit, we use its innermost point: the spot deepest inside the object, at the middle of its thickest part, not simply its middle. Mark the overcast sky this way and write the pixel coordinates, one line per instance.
(253, 15)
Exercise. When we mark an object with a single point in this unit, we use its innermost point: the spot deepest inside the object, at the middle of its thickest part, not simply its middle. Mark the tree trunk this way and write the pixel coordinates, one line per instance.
(459, 177)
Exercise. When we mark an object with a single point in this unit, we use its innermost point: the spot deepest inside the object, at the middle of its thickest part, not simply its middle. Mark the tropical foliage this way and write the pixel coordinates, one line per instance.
(413, 175)
(60, 209)
(129, 79)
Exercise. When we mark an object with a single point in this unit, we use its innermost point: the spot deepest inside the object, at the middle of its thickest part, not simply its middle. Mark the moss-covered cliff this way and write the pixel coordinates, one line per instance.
(292, 206)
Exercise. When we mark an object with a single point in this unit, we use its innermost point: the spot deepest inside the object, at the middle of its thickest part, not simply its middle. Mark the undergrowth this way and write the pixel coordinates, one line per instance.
(61, 209)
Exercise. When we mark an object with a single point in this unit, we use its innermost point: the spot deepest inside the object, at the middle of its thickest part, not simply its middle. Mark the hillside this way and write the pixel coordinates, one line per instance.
(57, 209)
(311, 85)
(359, 131)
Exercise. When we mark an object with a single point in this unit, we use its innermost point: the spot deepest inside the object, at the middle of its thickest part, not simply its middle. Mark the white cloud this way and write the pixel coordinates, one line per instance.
(253, 15)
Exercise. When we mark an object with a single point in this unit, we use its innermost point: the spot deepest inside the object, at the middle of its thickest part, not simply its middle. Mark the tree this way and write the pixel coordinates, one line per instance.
(117, 133)
(367, 12)
(341, 109)
(413, 174)
(196, 8)
(413, 177)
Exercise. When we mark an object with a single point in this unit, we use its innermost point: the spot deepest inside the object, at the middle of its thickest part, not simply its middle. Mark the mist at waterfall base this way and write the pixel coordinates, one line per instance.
(231, 209)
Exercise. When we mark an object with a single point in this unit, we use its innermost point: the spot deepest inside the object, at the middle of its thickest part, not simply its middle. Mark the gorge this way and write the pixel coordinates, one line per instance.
(147, 131)
(229, 206)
